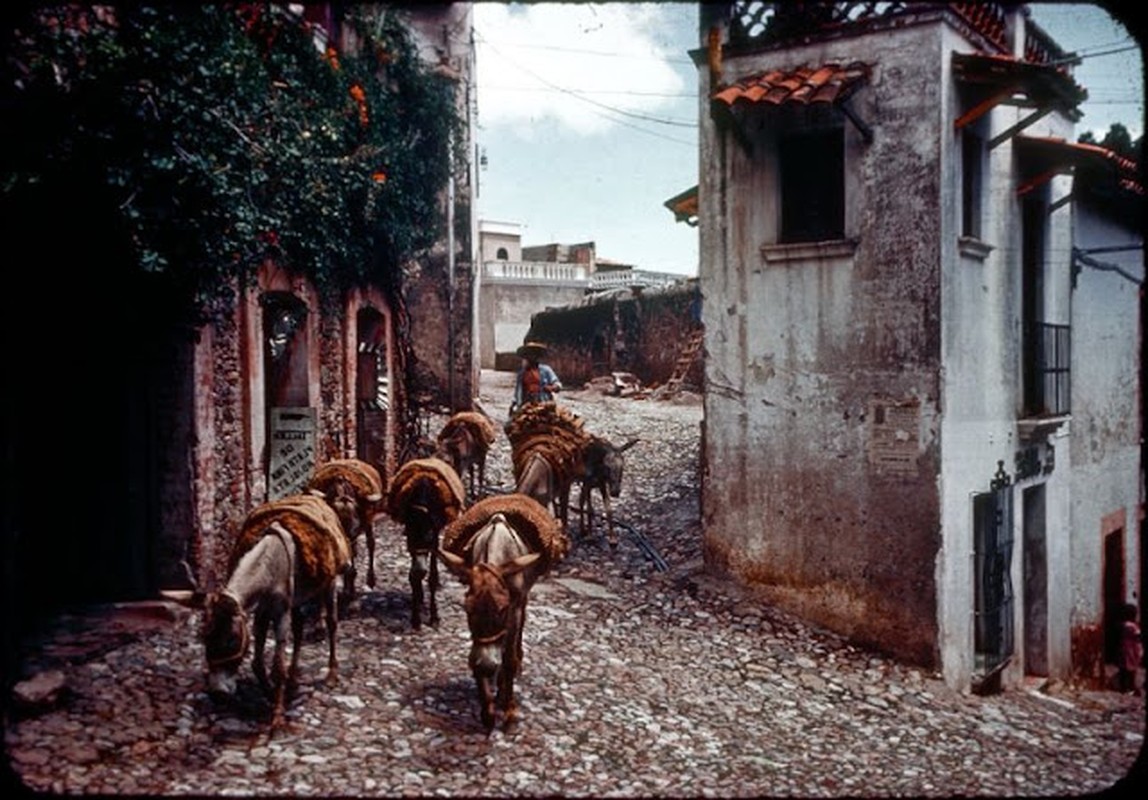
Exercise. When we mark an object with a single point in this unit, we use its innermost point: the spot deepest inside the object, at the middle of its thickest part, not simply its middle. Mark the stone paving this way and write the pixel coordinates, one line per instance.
(635, 682)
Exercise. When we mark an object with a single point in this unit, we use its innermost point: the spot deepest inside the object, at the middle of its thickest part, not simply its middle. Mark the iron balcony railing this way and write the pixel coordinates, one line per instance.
(1047, 359)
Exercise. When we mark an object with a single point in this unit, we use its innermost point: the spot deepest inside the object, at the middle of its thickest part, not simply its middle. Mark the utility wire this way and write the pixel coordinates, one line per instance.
(644, 117)
(688, 95)
(608, 54)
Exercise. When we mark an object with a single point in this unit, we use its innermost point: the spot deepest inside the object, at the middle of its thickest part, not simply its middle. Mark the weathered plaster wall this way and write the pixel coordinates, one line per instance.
(982, 391)
(822, 382)
(1104, 437)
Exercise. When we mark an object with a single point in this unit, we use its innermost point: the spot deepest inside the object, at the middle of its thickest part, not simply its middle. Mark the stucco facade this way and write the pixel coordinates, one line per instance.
(869, 394)
(1104, 436)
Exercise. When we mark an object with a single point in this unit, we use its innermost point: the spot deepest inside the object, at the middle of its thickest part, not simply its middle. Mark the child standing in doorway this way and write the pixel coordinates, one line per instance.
(1131, 650)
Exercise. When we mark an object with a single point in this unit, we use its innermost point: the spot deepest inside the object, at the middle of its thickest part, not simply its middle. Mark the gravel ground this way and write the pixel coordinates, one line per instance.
(636, 682)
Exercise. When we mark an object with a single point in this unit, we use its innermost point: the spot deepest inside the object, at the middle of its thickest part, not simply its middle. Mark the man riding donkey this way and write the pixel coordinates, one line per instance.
(537, 382)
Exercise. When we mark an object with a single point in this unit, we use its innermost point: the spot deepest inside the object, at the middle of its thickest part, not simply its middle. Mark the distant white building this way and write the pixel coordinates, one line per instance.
(516, 282)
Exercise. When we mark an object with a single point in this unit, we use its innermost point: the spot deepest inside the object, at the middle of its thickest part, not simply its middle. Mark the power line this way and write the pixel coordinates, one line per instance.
(605, 53)
(644, 117)
(692, 96)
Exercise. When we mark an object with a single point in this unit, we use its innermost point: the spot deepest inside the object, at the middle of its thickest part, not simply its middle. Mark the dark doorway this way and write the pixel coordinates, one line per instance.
(98, 419)
(1113, 593)
(1035, 582)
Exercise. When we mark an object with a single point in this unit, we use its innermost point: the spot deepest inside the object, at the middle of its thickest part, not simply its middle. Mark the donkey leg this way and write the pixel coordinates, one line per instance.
(258, 666)
(415, 576)
(611, 535)
(296, 649)
(513, 657)
(284, 679)
(432, 584)
(582, 496)
(331, 605)
(369, 532)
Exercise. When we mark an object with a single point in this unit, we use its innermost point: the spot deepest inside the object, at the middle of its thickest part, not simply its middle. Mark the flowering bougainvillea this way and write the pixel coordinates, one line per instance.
(226, 135)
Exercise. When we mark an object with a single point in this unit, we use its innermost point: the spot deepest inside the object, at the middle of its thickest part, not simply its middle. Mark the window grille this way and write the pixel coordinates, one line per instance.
(1047, 371)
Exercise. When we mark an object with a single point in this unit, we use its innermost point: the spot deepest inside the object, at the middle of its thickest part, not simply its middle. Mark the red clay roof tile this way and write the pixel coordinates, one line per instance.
(828, 83)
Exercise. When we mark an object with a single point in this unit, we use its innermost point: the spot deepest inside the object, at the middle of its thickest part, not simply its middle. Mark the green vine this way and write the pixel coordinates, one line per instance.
(225, 136)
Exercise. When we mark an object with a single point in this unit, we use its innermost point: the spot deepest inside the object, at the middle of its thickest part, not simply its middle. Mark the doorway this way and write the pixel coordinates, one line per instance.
(1113, 593)
(373, 389)
(1035, 581)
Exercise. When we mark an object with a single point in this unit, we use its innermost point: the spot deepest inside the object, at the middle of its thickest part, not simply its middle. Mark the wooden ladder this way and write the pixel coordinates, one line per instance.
(689, 353)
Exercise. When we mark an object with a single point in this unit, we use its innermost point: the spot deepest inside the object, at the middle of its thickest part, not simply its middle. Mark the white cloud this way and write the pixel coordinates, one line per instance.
(528, 54)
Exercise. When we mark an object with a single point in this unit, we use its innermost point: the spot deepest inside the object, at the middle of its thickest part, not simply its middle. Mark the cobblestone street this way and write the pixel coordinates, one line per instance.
(636, 682)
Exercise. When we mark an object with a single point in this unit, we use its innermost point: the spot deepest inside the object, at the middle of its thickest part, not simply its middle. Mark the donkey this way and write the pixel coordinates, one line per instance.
(423, 521)
(498, 568)
(353, 488)
(463, 443)
(270, 582)
(539, 480)
(425, 495)
(602, 466)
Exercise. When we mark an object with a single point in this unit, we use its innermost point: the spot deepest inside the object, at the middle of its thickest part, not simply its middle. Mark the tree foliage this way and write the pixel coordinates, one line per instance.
(223, 135)
(1100, 186)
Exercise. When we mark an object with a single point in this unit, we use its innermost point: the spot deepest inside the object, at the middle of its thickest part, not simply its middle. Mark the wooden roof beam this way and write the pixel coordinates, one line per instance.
(1005, 135)
(984, 107)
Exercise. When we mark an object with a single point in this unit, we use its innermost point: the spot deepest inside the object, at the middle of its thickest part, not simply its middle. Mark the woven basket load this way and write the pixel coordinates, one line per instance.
(435, 473)
(363, 477)
(479, 424)
(542, 533)
(322, 546)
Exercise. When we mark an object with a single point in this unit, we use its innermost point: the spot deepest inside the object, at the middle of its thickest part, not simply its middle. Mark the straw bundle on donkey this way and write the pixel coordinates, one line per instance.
(464, 442)
(547, 442)
(499, 548)
(355, 490)
(425, 494)
(288, 552)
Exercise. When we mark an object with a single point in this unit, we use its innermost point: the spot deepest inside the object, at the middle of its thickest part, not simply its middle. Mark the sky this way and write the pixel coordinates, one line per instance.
(587, 116)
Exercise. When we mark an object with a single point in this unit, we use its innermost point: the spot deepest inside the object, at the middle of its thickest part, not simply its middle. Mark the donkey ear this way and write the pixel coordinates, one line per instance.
(454, 563)
(185, 597)
(628, 445)
(518, 564)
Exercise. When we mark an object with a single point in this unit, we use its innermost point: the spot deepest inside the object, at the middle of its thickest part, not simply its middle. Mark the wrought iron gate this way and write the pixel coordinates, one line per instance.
(992, 553)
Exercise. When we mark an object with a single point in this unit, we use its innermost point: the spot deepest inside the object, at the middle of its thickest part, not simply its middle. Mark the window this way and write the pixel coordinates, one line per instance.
(502, 255)
(1046, 347)
(812, 168)
(972, 155)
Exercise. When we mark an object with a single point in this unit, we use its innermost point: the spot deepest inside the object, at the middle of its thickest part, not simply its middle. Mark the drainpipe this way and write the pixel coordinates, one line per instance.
(450, 274)
(450, 258)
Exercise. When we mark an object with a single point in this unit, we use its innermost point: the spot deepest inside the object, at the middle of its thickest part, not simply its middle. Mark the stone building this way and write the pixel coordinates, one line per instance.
(169, 430)
(904, 440)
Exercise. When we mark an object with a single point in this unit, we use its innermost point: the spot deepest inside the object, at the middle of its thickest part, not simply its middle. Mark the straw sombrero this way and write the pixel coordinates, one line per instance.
(532, 350)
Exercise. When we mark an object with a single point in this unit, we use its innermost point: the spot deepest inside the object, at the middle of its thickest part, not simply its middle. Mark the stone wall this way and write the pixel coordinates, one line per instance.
(641, 331)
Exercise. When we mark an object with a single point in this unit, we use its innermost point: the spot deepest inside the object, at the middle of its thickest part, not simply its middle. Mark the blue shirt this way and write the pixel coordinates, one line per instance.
(546, 376)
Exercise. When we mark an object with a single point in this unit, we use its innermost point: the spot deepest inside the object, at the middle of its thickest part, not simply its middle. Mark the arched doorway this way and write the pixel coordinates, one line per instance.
(290, 416)
(373, 388)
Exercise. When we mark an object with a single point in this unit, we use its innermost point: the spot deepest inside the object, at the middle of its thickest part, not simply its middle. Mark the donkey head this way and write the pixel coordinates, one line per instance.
(459, 448)
(345, 502)
(489, 606)
(605, 464)
(225, 640)
(224, 630)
